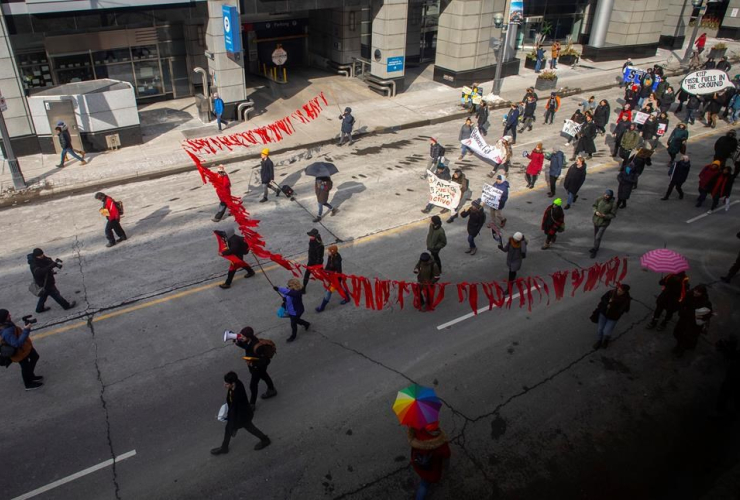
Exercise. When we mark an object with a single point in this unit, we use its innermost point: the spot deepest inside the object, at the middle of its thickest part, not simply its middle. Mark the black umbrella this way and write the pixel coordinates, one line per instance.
(321, 169)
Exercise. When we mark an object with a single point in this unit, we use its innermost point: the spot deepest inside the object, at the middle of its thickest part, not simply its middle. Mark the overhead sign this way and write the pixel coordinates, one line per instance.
(232, 30)
(706, 82)
(395, 64)
(279, 56)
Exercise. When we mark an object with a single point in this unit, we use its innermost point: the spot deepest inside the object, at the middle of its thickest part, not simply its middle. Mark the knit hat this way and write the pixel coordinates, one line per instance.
(313, 232)
(557, 202)
(476, 203)
(265, 151)
(624, 287)
(247, 331)
(501, 177)
(424, 257)
(716, 162)
(436, 220)
(99, 196)
(609, 192)
(4, 315)
(518, 236)
(37, 252)
(433, 139)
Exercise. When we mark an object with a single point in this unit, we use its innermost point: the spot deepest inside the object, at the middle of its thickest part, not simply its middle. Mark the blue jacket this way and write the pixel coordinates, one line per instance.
(8, 335)
(293, 300)
(348, 121)
(218, 106)
(557, 160)
(504, 186)
(512, 119)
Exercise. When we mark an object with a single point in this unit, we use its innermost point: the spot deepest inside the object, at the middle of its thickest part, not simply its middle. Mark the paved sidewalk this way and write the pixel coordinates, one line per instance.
(165, 125)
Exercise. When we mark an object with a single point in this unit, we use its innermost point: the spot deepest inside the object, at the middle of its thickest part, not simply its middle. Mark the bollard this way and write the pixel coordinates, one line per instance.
(285, 75)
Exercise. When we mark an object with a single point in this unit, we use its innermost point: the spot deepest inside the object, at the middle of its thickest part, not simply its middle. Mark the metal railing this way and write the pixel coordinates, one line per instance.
(243, 110)
(369, 79)
(347, 70)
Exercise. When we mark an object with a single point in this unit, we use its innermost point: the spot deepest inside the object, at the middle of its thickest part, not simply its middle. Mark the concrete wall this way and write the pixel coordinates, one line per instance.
(388, 35)
(17, 115)
(677, 18)
(345, 34)
(464, 36)
(636, 22)
(229, 74)
(729, 21)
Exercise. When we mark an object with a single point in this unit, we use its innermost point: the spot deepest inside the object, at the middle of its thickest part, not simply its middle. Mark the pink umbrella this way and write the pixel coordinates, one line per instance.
(663, 260)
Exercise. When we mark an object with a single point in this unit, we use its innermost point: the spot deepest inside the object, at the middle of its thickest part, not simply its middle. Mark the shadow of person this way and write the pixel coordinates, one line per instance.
(345, 191)
(153, 218)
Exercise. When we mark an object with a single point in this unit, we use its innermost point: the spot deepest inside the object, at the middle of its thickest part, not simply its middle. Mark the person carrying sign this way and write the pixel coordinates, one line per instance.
(631, 141)
(442, 173)
(459, 177)
(476, 220)
(677, 141)
(497, 210)
(586, 136)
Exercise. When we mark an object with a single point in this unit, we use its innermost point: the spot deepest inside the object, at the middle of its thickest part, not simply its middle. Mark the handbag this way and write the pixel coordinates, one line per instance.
(37, 290)
(282, 312)
(595, 315)
(223, 413)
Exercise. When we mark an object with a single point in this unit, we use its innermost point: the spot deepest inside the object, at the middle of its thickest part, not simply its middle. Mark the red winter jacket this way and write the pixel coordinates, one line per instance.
(226, 191)
(429, 450)
(624, 112)
(708, 176)
(536, 158)
(110, 206)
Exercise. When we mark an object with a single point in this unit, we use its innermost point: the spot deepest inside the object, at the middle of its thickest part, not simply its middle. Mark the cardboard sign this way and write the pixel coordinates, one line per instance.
(639, 117)
(707, 81)
(477, 99)
(491, 196)
(662, 129)
(571, 128)
(467, 90)
(478, 145)
(445, 194)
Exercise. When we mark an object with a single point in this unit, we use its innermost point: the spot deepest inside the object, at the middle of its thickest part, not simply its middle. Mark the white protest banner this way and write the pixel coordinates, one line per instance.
(478, 145)
(640, 117)
(445, 194)
(571, 128)
(491, 196)
(706, 82)
(662, 128)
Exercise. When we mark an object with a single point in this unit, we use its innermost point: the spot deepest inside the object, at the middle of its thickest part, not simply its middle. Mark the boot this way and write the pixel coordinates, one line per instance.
(291, 338)
(219, 451)
(265, 443)
(322, 306)
(546, 246)
(263, 200)
(473, 251)
(269, 393)
(598, 345)
(250, 273)
(605, 344)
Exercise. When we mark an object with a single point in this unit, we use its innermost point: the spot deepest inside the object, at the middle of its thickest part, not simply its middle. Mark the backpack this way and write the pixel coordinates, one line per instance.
(6, 352)
(119, 206)
(266, 348)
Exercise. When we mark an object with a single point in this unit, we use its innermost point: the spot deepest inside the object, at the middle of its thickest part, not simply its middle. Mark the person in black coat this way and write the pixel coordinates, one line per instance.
(267, 175)
(248, 341)
(574, 179)
(710, 64)
(476, 220)
(678, 172)
(620, 128)
(667, 100)
(236, 246)
(712, 110)
(586, 136)
(315, 254)
(530, 106)
(334, 265)
(348, 122)
(681, 97)
(627, 179)
(601, 115)
(482, 116)
(674, 290)
(42, 269)
(691, 106)
(512, 120)
(240, 415)
(650, 130)
(725, 147)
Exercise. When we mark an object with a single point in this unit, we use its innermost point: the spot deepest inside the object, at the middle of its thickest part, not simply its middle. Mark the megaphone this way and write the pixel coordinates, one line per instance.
(229, 335)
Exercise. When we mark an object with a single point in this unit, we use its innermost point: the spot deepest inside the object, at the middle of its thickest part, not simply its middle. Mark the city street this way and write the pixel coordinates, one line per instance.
(135, 371)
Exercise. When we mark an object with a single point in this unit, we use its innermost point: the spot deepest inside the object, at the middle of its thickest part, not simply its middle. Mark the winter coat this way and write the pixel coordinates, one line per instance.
(436, 238)
(578, 117)
(631, 140)
(226, 182)
(110, 205)
(723, 187)
(723, 66)
(675, 288)
(613, 306)
(293, 300)
(624, 112)
(436, 150)
(42, 270)
(708, 176)
(536, 159)
(444, 174)
(679, 172)
(348, 121)
(334, 263)
(725, 147)
(650, 129)
(504, 187)
(267, 171)
(323, 186)
(620, 128)
(608, 210)
(315, 252)
(601, 115)
(553, 219)
(529, 108)
(482, 116)
(512, 118)
(667, 100)
(693, 103)
(676, 140)
(476, 220)
(463, 181)
(516, 251)
(687, 331)
(586, 138)
(240, 411)
(553, 102)
(735, 102)
(218, 106)
(18, 338)
(65, 140)
(429, 451)
(465, 132)
(427, 272)
(236, 246)
(557, 160)
(713, 106)
(574, 178)
(710, 65)
(626, 183)
(683, 96)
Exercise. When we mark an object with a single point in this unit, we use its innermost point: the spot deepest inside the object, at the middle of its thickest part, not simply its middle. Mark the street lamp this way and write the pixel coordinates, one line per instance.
(498, 22)
(697, 4)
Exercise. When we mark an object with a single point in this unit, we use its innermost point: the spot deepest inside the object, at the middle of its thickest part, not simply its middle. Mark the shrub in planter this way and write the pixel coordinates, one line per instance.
(718, 50)
(568, 59)
(530, 61)
(547, 80)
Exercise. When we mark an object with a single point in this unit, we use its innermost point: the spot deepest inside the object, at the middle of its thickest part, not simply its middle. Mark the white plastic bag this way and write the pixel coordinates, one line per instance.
(727, 204)
(223, 413)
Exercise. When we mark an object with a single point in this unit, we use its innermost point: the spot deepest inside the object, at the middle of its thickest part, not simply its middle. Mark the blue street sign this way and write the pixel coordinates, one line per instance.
(395, 64)
(232, 29)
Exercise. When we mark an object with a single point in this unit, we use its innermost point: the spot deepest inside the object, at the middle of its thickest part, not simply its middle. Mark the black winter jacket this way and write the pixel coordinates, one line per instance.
(315, 252)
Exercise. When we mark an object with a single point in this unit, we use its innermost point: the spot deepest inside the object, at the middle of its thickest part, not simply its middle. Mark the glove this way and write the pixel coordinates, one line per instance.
(275, 288)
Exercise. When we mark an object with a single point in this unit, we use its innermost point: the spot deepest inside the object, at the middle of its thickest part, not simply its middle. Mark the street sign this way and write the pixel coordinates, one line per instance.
(395, 64)
(279, 56)
(232, 29)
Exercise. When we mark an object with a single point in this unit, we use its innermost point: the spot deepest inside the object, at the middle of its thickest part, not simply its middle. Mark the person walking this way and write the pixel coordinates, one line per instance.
(112, 213)
(691, 106)
(293, 295)
(700, 42)
(315, 254)
(482, 117)
(734, 109)
(21, 346)
(601, 116)
(497, 214)
(678, 173)
(557, 161)
(554, 54)
(465, 132)
(712, 110)
(430, 451)
(677, 141)
(589, 106)
(536, 160)
(650, 131)
(42, 270)
(427, 274)
(530, 106)
(459, 177)
(724, 65)
(65, 143)
(348, 123)
(436, 154)
(267, 175)
(553, 222)
(516, 252)
(476, 220)
(260, 352)
(443, 173)
(512, 120)
(578, 118)
(667, 100)
(682, 97)
(586, 136)
(612, 306)
(218, 110)
(574, 179)
(222, 197)
(694, 316)
(605, 209)
(503, 145)
(627, 178)
(734, 268)
(707, 179)
(630, 142)
(322, 187)
(622, 126)
(552, 105)
(436, 239)
(239, 416)
(725, 147)
(540, 58)
(722, 188)
(334, 266)
(675, 286)
(710, 64)
(236, 247)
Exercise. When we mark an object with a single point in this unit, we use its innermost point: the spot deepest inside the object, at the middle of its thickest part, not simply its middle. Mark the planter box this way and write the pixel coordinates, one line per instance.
(717, 53)
(530, 63)
(567, 59)
(542, 84)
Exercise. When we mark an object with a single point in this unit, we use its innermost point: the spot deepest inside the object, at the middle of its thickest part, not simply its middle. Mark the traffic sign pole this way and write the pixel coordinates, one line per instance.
(15, 170)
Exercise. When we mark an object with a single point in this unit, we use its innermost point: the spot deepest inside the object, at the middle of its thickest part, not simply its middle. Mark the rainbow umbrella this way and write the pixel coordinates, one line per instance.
(417, 406)
(663, 260)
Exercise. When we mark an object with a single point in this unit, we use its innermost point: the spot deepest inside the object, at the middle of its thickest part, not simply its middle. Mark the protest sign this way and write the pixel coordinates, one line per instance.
(661, 129)
(467, 90)
(706, 82)
(640, 117)
(445, 194)
(634, 76)
(478, 145)
(571, 128)
(491, 196)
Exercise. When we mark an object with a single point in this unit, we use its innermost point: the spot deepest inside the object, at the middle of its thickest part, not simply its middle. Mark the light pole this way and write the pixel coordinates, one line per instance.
(498, 22)
(697, 4)
(15, 170)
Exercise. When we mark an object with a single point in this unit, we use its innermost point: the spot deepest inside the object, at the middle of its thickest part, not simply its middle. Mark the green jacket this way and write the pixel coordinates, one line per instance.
(427, 272)
(436, 239)
(630, 140)
(607, 208)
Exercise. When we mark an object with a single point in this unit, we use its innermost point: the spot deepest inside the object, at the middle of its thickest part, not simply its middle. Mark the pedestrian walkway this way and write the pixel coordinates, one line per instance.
(166, 124)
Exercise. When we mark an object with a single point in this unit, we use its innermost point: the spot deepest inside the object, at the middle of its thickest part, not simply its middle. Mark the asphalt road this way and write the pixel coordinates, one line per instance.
(533, 411)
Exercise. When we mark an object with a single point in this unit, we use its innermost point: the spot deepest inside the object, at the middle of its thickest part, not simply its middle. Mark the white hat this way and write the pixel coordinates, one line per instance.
(518, 236)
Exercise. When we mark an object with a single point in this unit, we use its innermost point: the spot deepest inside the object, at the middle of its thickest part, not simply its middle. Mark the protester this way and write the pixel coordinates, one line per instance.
(723, 64)
(348, 123)
(267, 175)
(443, 173)
(218, 110)
(315, 254)
(540, 58)
(678, 173)
(42, 270)
(631, 140)
(536, 159)
(712, 110)
(639, 161)
(626, 64)
(512, 120)
(622, 126)
(677, 141)
(530, 92)
(436, 153)
(700, 42)
(605, 209)
(225, 197)
(725, 147)
(710, 64)
(723, 187)
(503, 145)
(516, 252)
(427, 273)
(553, 222)
(734, 109)
(235, 246)
(24, 353)
(260, 352)
(663, 123)
(650, 131)
(675, 286)
(477, 93)
(65, 143)
(436, 239)
(734, 268)
(334, 265)
(589, 106)
(429, 453)
(476, 220)
(707, 179)
(682, 97)
(554, 53)
(530, 106)
(465, 132)
(691, 106)
(112, 213)
(293, 296)
(578, 118)
(551, 107)
(465, 194)
(612, 306)
(497, 214)
(693, 319)
(322, 187)
(627, 179)
(667, 100)
(601, 116)
(586, 136)
(557, 161)
(574, 179)
(482, 116)
(239, 415)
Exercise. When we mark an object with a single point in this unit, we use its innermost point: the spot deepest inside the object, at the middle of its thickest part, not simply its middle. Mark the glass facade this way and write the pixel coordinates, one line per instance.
(559, 18)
